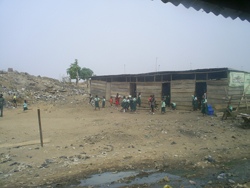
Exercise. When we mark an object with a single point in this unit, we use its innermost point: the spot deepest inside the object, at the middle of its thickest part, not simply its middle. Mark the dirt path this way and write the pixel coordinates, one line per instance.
(84, 141)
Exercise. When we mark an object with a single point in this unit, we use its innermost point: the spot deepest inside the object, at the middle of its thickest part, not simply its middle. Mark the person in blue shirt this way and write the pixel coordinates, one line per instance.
(25, 106)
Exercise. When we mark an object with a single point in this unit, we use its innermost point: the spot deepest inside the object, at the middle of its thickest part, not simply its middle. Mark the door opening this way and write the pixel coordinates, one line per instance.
(132, 89)
(166, 92)
(200, 89)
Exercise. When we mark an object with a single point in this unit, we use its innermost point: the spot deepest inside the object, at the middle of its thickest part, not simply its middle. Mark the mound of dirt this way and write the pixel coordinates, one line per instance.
(34, 88)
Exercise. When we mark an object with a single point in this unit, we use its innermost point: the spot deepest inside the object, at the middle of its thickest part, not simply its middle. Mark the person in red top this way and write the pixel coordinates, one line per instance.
(117, 98)
(149, 102)
(111, 101)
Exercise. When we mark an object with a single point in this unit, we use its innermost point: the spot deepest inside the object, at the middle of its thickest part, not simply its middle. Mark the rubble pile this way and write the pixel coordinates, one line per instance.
(34, 88)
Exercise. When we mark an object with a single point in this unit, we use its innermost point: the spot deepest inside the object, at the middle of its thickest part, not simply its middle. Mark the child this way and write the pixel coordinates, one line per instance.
(25, 106)
(103, 102)
(163, 106)
(149, 102)
(128, 103)
(139, 99)
(195, 103)
(124, 104)
(174, 106)
(167, 101)
(14, 100)
(152, 102)
(134, 104)
(117, 98)
(90, 98)
(131, 102)
(97, 102)
(204, 106)
(111, 101)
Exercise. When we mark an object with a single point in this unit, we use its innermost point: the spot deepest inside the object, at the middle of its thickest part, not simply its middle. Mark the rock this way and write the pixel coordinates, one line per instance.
(15, 163)
(192, 182)
(166, 179)
(210, 182)
(231, 181)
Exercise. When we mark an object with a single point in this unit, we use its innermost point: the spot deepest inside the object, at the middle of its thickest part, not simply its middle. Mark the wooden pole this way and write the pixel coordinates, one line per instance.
(40, 127)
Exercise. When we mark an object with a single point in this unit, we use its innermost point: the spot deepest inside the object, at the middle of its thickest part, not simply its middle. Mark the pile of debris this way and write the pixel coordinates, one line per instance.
(34, 88)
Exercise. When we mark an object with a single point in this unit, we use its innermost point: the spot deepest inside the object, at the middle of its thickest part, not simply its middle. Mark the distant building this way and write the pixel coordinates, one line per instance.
(221, 84)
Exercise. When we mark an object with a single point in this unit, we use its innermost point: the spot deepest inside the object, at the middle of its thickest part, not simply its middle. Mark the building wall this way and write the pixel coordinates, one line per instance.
(181, 91)
(120, 87)
(149, 88)
(98, 88)
(217, 92)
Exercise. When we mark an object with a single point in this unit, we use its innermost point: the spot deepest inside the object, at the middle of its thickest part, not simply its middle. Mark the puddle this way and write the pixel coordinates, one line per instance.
(105, 178)
(239, 172)
(108, 179)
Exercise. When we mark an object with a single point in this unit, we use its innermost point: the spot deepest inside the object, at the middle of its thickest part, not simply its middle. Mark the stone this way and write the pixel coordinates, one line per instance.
(166, 179)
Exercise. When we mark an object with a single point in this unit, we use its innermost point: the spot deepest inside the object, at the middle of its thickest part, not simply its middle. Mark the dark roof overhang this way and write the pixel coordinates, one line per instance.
(227, 8)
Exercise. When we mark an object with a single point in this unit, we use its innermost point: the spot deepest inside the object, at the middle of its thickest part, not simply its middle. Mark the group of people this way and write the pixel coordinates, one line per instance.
(203, 103)
(14, 102)
(129, 102)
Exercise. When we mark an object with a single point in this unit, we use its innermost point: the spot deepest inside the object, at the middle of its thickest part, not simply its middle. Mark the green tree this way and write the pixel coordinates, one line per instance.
(74, 71)
(85, 73)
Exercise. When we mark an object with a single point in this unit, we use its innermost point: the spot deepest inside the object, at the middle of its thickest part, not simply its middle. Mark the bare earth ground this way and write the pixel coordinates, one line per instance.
(84, 141)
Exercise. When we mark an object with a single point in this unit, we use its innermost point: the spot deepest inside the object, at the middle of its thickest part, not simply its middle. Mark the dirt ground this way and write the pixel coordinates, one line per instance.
(81, 141)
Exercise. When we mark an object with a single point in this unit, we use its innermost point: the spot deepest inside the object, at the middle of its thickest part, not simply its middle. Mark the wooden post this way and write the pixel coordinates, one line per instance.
(40, 127)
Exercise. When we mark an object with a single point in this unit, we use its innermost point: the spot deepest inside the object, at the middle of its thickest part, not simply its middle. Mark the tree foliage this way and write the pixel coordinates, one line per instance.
(85, 73)
(76, 72)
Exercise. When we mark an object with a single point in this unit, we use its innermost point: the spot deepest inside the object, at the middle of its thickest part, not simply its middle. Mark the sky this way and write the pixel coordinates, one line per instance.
(117, 36)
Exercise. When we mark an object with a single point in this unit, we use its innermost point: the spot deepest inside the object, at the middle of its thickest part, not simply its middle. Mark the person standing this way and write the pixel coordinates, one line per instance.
(134, 104)
(14, 100)
(1, 104)
(167, 100)
(111, 101)
(205, 94)
(124, 103)
(149, 102)
(103, 102)
(139, 99)
(163, 106)
(97, 102)
(195, 103)
(25, 106)
(152, 101)
(204, 106)
(90, 98)
(117, 98)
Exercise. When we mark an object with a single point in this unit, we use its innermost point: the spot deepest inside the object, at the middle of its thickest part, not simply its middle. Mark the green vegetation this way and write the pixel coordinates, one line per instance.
(76, 72)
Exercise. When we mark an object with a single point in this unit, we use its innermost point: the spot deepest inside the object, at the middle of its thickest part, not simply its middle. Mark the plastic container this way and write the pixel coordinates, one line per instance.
(209, 107)
(210, 112)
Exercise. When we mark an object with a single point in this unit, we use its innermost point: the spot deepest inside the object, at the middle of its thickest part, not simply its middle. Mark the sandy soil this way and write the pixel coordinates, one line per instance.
(84, 141)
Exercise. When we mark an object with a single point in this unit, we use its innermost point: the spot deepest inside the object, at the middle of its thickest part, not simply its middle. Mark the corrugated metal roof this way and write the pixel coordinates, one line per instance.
(227, 8)
(207, 70)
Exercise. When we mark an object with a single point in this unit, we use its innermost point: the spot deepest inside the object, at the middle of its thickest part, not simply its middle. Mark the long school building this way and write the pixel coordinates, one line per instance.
(223, 85)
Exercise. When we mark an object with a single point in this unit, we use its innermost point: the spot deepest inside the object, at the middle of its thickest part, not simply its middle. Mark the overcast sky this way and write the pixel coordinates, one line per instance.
(45, 37)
